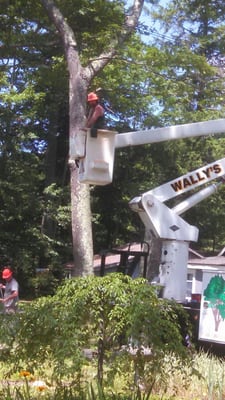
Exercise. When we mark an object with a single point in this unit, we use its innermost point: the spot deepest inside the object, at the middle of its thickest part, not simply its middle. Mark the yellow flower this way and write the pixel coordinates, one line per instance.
(24, 373)
(40, 388)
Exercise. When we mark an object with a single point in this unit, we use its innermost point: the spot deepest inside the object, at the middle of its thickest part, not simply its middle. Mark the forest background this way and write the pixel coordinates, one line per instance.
(169, 71)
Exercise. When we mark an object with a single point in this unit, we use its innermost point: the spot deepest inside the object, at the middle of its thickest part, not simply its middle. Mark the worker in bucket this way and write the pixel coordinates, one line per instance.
(95, 118)
(10, 291)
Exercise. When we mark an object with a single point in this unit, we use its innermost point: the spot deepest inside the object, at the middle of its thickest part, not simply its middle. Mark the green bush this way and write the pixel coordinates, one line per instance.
(118, 321)
(43, 284)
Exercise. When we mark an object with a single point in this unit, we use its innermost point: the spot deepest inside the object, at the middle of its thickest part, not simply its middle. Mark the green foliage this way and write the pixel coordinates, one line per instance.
(44, 284)
(112, 318)
(174, 79)
(203, 379)
(176, 86)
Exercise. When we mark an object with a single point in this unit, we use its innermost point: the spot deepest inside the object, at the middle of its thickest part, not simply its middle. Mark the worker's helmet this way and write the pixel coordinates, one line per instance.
(7, 273)
(92, 96)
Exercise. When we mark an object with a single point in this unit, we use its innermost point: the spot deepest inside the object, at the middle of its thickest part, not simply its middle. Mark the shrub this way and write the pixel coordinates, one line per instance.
(120, 320)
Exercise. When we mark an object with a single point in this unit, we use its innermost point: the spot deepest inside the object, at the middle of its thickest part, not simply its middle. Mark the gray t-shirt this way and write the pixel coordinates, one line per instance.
(10, 287)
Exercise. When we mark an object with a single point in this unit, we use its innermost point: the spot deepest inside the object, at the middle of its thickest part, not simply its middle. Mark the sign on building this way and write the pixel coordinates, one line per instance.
(212, 310)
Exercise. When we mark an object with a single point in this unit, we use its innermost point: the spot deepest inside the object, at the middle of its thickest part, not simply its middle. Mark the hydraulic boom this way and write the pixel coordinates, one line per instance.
(96, 155)
(165, 223)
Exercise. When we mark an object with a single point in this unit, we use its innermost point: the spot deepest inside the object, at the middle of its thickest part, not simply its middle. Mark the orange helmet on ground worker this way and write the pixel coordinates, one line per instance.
(7, 273)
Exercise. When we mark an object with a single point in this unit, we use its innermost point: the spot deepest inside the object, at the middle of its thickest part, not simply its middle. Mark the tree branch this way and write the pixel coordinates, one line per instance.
(69, 40)
(66, 33)
(128, 27)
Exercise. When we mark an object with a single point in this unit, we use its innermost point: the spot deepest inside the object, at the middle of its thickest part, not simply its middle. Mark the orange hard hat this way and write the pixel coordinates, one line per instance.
(7, 273)
(92, 96)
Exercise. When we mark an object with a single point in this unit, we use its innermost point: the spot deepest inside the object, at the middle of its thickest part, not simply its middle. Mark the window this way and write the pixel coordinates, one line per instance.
(190, 278)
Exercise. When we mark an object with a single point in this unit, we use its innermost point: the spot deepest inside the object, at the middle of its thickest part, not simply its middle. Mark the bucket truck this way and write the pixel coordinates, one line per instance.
(165, 223)
(96, 157)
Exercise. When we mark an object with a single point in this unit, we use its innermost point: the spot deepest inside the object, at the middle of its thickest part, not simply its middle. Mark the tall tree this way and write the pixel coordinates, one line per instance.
(191, 34)
(32, 101)
(80, 78)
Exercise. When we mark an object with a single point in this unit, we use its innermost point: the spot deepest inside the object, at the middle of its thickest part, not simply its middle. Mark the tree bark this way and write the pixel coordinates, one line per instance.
(81, 227)
(80, 194)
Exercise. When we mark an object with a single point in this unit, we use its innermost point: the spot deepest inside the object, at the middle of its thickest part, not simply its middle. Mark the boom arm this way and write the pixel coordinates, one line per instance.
(97, 154)
(189, 181)
(205, 128)
(166, 224)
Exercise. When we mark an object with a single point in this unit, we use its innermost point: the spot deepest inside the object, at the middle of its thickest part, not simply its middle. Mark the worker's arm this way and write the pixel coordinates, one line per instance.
(10, 297)
(98, 112)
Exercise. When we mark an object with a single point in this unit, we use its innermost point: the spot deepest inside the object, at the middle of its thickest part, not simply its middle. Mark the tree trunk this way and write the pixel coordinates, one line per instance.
(101, 351)
(80, 194)
(81, 226)
(48, 223)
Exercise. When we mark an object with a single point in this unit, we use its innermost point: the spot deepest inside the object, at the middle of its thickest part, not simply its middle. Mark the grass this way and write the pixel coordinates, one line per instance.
(204, 380)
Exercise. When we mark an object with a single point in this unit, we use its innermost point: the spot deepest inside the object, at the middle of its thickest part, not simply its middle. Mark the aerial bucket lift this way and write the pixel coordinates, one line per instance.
(97, 165)
(166, 224)
(96, 157)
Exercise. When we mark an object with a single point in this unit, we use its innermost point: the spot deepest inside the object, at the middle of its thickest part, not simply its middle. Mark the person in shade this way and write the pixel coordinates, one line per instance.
(10, 291)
